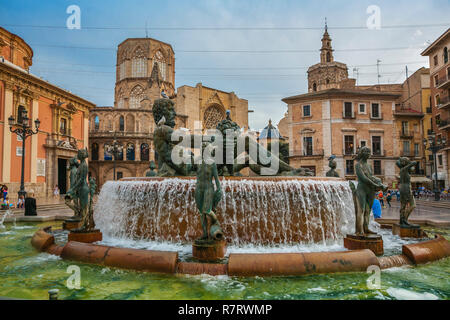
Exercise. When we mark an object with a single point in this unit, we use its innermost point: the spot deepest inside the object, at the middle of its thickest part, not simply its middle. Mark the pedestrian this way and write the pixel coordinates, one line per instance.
(20, 202)
(389, 198)
(4, 191)
(397, 194)
(30, 204)
(376, 209)
(381, 198)
(56, 191)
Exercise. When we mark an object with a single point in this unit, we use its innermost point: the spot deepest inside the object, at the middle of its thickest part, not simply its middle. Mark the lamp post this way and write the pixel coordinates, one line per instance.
(115, 149)
(24, 130)
(434, 145)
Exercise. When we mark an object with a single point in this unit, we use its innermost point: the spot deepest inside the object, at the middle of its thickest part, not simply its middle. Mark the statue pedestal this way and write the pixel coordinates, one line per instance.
(371, 242)
(71, 224)
(85, 236)
(209, 250)
(408, 231)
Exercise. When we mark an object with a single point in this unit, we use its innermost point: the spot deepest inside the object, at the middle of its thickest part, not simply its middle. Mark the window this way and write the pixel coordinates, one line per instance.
(445, 55)
(416, 149)
(307, 146)
(94, 151)
(377, 167)
(119, 154)
(436, 80)
(440, 159)
(349, 167)
(307, 111)
(130, 151)
(376, 110)
(144, 152)
(416, 128)
(362, 108)
(122, 71)
(121, 124)
(21, 112)
(348, 110)
(119, 175)
(96, 123)
(405, 128)
(406, 149)
(139, 64)
(349, 145)
(362, 143)
(435, 60)
(136, 96)
(376, 145)
(63, 126)
(159, 61)
(107, 152)
(328, 57)
(438, 100)
(314, 86)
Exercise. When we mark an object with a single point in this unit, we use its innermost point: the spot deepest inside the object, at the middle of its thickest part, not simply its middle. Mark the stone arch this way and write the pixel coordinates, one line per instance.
(136, 96)
(139, 63)
(129, 123)
(145, 152)
(120, 99)
(212, 116)
(130, 151)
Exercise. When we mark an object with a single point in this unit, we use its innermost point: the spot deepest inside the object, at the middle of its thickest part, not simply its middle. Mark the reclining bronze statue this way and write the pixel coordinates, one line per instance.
(164, 142)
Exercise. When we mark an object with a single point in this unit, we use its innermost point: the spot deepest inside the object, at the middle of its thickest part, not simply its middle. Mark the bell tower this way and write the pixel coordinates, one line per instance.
(326, 52)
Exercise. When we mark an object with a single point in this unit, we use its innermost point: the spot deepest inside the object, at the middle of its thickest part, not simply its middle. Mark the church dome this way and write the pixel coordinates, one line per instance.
(270, 132)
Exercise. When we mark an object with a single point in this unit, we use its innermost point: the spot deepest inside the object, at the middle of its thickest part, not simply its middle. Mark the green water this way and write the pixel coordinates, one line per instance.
(25, 273)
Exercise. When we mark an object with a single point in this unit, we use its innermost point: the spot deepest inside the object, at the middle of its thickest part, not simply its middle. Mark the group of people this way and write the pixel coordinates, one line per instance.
(382, 199)
(29, 203)
(424, 193)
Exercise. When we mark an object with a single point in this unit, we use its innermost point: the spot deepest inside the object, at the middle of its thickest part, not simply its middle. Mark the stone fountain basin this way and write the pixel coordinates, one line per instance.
(242, 264)
(254, 210)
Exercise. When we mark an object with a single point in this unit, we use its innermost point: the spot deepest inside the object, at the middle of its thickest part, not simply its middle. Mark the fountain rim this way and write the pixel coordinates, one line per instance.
(242, 178)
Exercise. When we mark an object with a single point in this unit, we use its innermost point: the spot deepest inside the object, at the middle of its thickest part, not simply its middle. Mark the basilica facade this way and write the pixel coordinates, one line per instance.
(120, 136)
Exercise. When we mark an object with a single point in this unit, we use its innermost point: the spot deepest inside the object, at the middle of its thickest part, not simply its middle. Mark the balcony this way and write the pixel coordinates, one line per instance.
(348, 115)
(378, 116)
(406, 111)
(348, 152)
(405, 134)
(429, 110)
(443, 82)
(444, 102)
(409, 154)
(308, 153)
(443, 124)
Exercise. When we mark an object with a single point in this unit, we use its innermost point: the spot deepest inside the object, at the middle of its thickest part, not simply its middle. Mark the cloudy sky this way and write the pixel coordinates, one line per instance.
(260, 49)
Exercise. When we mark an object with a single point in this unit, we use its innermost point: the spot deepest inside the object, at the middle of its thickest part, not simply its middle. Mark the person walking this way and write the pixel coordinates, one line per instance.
(381, 198)
(389, 198)
(376, 209)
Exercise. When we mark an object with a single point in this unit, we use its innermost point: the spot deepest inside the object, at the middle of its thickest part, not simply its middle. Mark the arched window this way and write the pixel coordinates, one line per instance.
(162, 66)
(122, 70)
(121, 124)
(107, 152)
(213, 115)
(94, 151)
(328, 57)
(314, 86)
(96, 123)
(139, 64)
(120, 100)
(130, 151)
(119, 152)
(145, 152)
(328, 81)
(445, 55)
(136, 96)
(130, 123)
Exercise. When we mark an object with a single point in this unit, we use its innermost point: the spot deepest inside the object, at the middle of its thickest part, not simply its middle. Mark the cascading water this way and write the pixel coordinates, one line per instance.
(252, 210)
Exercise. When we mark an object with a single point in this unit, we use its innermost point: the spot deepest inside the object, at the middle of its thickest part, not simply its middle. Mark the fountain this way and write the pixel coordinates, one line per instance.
(288, 208)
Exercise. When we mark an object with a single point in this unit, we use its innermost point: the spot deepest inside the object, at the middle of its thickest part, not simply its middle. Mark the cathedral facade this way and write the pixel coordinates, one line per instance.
(121, 141)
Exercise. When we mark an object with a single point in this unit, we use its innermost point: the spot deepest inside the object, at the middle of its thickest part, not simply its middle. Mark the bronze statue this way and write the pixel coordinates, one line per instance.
(73, 202)
(364, 193)
(206, 199)
(83, 192)
(151, 172)
(332, 164)
(407, 202)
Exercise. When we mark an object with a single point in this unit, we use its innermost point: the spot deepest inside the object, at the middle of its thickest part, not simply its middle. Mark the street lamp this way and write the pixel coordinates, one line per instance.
(115, 149)
(24, 130)
(434, 145)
